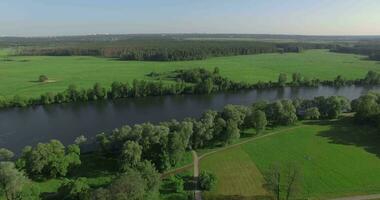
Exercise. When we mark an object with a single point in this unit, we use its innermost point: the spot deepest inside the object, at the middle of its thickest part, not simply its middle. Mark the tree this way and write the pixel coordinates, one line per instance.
(49, 160)
(11, 180)
(283, 181)
(366, 108)
(178, 183)
(5, 154)
(312, 113)
(129, 186)
(282, 78)
(99, 92)
(232, 132)
(259, 120)
(42, 78)
(235, 113)
(130, 154)
(151, 176)
(288, 113)
(74, 189)
(296, 78)
(207, 181)
(80, 140)
(273, 181)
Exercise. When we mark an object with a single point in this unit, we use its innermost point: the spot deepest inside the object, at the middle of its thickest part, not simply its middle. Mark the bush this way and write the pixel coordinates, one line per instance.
(74, 189)
(42, 78)
(207, 181)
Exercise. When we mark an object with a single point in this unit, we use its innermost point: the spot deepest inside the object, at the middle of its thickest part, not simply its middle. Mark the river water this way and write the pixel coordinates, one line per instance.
(28, 126)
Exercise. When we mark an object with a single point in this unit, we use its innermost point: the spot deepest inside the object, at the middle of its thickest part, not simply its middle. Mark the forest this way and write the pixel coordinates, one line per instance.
(168, 49)
(370, 49)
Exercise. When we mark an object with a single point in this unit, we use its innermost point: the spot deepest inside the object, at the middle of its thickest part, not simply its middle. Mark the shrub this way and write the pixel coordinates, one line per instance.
(42, 78)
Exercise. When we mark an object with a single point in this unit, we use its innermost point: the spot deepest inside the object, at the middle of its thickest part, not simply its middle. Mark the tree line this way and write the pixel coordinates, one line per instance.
(189, 81)
(372, 50)
(166, 49)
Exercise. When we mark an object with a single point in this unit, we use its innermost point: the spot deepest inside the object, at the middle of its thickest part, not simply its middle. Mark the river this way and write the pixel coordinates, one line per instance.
(28, 126)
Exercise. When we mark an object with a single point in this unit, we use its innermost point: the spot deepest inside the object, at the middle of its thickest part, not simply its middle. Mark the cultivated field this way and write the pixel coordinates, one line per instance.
(336, 159)
(19, 74)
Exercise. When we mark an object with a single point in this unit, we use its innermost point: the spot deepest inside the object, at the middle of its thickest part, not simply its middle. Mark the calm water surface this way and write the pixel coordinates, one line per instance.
(28, 126)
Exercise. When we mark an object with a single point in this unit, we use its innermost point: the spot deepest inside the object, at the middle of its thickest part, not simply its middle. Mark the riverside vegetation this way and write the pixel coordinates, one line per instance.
(191, 81)
(142, 151)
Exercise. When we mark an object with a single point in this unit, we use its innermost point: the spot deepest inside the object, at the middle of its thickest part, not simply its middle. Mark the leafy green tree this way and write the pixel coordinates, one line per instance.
(232, 132)
(151, 176)
(178, 183)
(116, 90)
(372, 78)
(130, 155)
(49, 159)
(99, 91)
(282, 79)
(367, 108)
(259, 120)
(73, 93)
(235, 113)
(296, 78)
(129, 186)
(206, 180)
(5, 154)
(77, 189)
(312, 113)
(11, 181)
(288, 113)
(281, 112)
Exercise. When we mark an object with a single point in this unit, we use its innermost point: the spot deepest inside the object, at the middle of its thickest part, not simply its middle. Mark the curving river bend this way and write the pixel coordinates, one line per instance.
(28, 126)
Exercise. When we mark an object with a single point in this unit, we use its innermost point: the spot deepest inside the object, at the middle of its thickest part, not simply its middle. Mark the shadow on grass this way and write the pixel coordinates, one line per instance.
(95, 165)
(347, 132)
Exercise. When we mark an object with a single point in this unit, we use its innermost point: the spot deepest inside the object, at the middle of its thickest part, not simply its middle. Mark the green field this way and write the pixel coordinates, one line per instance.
(336, 159)
(19, 74)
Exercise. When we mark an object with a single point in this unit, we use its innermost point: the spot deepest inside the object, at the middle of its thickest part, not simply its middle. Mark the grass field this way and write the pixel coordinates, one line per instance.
(19, 75)
(336, 159)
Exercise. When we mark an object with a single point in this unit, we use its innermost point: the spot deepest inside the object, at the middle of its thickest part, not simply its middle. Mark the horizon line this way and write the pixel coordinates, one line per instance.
(194, 33)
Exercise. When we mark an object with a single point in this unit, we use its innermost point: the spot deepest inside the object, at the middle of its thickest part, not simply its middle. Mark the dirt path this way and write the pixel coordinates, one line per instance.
(364, 197)
(197, 192)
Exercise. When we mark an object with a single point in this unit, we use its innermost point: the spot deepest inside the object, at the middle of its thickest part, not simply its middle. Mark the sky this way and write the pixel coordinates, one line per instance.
(82, 17)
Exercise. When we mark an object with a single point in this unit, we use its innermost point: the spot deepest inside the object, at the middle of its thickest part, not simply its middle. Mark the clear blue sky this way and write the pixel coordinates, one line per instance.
(73, 17)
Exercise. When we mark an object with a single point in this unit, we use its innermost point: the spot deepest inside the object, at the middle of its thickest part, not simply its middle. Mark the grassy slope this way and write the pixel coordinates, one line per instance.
(19, 76)
(337, 159)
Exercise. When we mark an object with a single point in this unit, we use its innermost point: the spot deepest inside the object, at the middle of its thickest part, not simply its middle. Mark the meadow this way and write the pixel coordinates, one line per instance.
(336, 159)
(19, 74)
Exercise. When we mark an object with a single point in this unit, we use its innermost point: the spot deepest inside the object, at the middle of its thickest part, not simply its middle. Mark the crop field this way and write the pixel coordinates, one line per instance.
(18, 75)
(335, 159)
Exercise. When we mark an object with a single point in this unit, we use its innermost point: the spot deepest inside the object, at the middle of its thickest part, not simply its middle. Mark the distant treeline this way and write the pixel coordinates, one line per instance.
(168, 50)
(372, 50)
(190, 81)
